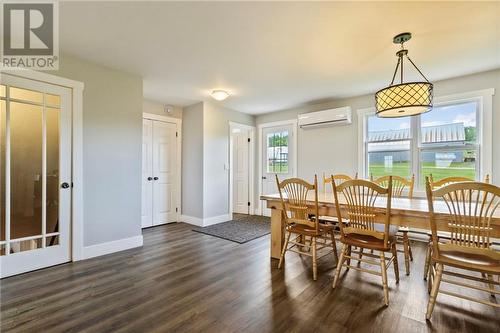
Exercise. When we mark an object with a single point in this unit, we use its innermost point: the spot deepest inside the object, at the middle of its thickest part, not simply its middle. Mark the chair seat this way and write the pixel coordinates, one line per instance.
(488, 261)
(309, 231)
(403, 229)
(371, 242)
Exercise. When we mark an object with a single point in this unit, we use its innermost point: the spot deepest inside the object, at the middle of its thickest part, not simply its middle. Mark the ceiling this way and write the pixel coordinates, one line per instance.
(274, 56)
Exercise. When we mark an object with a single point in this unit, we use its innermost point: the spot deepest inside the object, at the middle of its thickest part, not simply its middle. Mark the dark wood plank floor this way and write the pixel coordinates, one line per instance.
(183, 281)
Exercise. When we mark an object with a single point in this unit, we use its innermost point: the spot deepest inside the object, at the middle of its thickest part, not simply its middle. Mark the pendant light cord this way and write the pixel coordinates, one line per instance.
(400, 63)
(417, 68)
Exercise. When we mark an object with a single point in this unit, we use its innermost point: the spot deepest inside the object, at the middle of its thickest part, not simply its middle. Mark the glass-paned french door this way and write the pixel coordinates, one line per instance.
(35, 174)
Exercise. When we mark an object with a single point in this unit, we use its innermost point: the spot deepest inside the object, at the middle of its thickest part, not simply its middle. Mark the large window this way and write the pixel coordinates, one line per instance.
(447, 141)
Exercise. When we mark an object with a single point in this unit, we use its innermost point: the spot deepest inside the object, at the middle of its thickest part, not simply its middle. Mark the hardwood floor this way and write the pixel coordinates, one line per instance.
(183, 281)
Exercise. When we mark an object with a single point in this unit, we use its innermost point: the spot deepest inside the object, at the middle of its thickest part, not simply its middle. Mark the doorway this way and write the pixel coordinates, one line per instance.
(277, 156)
(35, 174)
(160, 170)
(241, 175)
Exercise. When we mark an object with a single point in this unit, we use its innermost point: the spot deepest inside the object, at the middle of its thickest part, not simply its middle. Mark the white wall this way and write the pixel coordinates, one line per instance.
(192, 161)
(112, 140)
(205, 150)
(216, 155)
(335, 149)
(149, 106)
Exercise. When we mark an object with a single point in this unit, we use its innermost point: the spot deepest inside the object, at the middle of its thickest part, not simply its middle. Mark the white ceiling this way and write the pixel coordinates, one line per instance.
(273, 56)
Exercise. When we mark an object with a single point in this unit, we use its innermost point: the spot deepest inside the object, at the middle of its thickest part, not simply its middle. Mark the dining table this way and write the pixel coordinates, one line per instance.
(412, 213)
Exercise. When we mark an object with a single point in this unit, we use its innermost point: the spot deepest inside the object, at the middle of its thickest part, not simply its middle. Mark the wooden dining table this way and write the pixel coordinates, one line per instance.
(412, 213)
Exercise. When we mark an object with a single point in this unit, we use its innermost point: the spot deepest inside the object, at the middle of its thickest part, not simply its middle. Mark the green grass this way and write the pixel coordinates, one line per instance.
(466, 169)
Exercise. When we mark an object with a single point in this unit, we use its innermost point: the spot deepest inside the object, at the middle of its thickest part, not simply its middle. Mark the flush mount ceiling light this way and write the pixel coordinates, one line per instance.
(404, 99)
(219, 95)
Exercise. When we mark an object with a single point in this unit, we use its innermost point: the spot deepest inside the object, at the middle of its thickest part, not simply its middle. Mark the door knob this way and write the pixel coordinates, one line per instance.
(155, 178)
(150, 178)
(65, 185)
(264, 177)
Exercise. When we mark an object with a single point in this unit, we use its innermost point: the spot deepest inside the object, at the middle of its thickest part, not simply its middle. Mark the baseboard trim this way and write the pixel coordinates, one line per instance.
(216, 219)
(192, 220)
(98, 250)
(199, 222)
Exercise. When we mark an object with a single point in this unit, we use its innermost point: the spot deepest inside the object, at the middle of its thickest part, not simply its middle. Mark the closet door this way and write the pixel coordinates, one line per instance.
(164, 172)
(147, 173)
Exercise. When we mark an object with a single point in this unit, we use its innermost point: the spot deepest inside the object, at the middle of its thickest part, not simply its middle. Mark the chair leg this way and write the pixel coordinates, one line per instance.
(360, 256)
(395, 263)
(315, 265)
(349, 254)
(334, 245)
(427, 260)
(383, 268)
(339, 265)
(434, 291)
(491, 286)
(409, 249)
(284, 250)
(406, 248)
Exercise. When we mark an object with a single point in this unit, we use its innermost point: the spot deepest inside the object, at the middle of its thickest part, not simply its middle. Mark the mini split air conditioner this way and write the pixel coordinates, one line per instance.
(330, 117)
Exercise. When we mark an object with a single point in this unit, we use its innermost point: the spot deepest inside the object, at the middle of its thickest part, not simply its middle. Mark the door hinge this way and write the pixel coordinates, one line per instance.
(249, 204)
(248, 139)
(176, 209)
(176, 134)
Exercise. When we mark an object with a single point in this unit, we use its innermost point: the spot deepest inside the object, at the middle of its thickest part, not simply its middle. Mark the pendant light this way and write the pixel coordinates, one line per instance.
(404, 99)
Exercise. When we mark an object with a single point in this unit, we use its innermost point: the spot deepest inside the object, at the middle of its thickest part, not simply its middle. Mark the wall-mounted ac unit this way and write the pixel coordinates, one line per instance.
(330, 117)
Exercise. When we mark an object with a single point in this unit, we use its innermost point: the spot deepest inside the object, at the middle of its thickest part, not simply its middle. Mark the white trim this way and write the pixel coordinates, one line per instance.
(362, 131)
(260, 127)
(216, 219)
(77, 150)
(192, 220)
(251, 163)
(484, 125)
(44, 77)
(178, 122)
(112, 247)
(158, 117)
(206, 221)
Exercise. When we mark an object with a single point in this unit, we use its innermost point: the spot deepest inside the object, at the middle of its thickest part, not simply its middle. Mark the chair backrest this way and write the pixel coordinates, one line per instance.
(360, 197)
(471, 206)
(451, 180)
(295, 209)
(338, 179)
(399, 185)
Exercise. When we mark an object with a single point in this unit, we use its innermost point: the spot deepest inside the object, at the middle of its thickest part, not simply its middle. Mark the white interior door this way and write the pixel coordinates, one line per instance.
(277, 158)
(164, 172)
(147, 173)
(35, 175)
(241, 148)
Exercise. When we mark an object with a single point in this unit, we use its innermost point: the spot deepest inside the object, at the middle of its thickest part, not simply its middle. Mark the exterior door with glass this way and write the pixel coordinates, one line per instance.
(35, 175)
(277, 158)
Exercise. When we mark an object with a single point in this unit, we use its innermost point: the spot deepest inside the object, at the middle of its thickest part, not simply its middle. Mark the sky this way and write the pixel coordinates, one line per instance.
(458, 113)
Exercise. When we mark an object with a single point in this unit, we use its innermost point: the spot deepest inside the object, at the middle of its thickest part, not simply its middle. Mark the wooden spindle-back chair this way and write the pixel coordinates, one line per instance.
(369, 227)
(470, 205)
(337, 178)
(400, 187)
(435, 185)
(295, 200)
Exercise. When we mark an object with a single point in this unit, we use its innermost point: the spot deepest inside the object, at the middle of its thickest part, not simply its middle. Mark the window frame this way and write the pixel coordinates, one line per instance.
(484, 124)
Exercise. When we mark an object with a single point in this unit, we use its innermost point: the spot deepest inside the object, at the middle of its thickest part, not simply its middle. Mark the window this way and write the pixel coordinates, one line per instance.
(448, 142)
(277, 152)
(451, 140)
(389, 147)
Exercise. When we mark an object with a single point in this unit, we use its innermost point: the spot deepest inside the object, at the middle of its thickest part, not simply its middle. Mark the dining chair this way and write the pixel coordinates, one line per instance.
(401, 187)
(369, 228)
(337, 178)
(442, 235)
(299, 222)
(471, 206)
